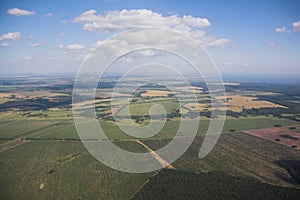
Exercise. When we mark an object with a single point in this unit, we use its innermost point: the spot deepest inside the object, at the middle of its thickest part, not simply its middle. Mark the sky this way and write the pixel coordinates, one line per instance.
(242, 37)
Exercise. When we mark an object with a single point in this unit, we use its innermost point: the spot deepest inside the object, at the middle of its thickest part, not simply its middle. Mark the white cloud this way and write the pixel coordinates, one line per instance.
(271, 44)
(218, 42)
(61, 34)
(76, 51)
(11, 36)
(296, 26)
(49, 15)
(128, 19)
(28, 58)
(75, 47)
(227, 63)
(20, 12)
(64, 21)
(4, 44)
(36, 44)
(282, 29)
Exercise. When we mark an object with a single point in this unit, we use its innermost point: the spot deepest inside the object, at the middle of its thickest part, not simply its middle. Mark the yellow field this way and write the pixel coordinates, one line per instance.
(8, 94)
(197, 106)
(155, 93)
(190, 89)
(236, 103)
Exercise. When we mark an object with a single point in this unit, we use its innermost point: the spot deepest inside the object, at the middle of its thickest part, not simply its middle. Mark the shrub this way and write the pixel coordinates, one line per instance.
(51, 171)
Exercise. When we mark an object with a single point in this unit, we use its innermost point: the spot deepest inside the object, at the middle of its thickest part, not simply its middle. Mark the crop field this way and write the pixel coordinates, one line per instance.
(175, 184)
(65, 169)
(238, 154)
(195, 90)
(236, 103)
(282, 135)
(141, 109)
(23, 127)
(155, 93)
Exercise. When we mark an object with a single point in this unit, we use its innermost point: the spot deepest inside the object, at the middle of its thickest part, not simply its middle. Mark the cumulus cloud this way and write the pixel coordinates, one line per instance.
(127, 19)
(122, 20)
(271, 44)
(218, 42)
(28, 58)
(75, 47)
(36, 44)
(296, 26)
(20, 12)
(4, 44)
(11, 36)
(76, 51)
(281, 29)
(227, 63)
(49, 15)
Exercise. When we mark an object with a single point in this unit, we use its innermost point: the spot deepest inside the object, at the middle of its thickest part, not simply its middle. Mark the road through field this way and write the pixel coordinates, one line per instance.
(6, 146)
(156, 156)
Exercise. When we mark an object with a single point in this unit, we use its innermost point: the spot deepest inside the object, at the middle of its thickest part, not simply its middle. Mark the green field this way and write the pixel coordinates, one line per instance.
(68, 171)
(65, 129)
(142, 109)
(26, 167)
(170, 184)
(20, 128)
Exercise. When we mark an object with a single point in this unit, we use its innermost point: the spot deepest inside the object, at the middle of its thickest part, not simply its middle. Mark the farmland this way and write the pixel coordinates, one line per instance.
(42, 157)
(25, 168)
(210, 186)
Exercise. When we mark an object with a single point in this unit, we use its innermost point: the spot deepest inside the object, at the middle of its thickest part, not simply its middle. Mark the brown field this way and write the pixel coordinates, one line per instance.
(190, 89)
(197, 106)
(155, 93)
(281, 135)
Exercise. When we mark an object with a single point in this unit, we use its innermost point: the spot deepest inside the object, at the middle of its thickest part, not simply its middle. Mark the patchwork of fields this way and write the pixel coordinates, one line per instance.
(42, 157)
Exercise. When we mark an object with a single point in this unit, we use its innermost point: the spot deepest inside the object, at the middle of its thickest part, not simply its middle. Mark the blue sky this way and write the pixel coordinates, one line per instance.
(242, 37)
